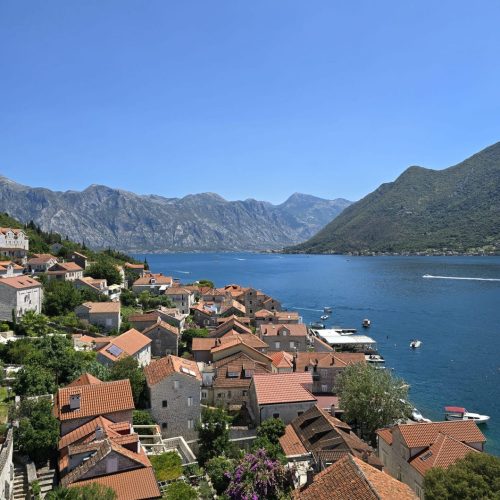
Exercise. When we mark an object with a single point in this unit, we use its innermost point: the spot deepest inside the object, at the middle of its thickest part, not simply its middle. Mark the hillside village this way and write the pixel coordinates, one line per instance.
(156, 388)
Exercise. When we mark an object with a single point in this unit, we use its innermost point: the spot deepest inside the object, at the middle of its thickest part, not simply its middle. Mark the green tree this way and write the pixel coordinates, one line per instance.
(91, 491)
(213, 434)
(128, 298)
(218, 469)
(38, 431)
(150, 301)
(190, 334)
(33, 324)
(60, 298)
(180, 491)
(105, 268)
(206, 283)
(268, 434)
(96, 369)
(128, 367)
(372, 398)
(143, 417)
(34, 380)
(477, 476)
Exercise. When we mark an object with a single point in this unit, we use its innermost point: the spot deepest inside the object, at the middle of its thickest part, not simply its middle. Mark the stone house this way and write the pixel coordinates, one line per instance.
(174, 386)
(41, 262)
(18, 295)
(155, 284)
(234, 308)
(182, 298)
(9, 269)
(172, 316)
(254, 301)
(104, 314)
(408, 451)
(283, 361)
(351, 478)
(209, 349)
(325, 367)
(88, 397)
(131, 343)
(205, 314)
(164, 339)
(65, 271)
(285, 337)
(79, 259)
(14, 243)
(265, 317)
(237, 323)
(280, 395)
(137, 269)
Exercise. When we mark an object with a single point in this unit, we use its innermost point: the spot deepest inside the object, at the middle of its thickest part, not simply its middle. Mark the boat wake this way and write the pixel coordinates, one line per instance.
(306, 309)
(183, 272)
(459, 278)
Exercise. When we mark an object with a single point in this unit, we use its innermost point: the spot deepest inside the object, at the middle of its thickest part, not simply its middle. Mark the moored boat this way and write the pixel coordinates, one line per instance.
(317, 325)
(367, 323)
(324, 317)
(414, 344)
(460, 413)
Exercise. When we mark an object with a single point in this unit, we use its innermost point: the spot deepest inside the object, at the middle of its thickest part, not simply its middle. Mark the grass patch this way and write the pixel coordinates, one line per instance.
(167, 466)
(4, 405)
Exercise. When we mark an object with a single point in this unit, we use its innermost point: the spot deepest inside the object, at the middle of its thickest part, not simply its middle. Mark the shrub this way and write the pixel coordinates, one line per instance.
(167, 466)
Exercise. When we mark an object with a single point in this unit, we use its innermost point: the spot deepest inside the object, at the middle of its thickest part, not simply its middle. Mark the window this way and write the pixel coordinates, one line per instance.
(164, 403)
(299, 413)
(276, 415)
(190, 423)
(251, 311)
(245, 393)
(277, 345)
(292, 345)
(204, 394)
(324, 388)
(248, 373)
(250, 302)
(190, 400)
(176, 384)
(164, 425)
(228, 394)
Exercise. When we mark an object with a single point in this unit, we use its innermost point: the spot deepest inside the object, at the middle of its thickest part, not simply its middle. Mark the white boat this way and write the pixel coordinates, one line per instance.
(324, 317)
(366, 323)
(374, 358)
(459, 413)
(414, 344)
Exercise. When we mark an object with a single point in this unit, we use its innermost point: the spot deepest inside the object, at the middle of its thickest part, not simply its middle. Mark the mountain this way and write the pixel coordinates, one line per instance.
(452, 210)
(102, 217)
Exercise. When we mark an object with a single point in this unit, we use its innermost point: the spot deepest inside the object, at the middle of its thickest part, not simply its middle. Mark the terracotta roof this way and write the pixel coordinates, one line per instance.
(133, 266)
(263, 313)
(20, 282)
(149, 317)
(350, 478)
(128, 343)
(425, 433)
(328, 359)
(157, 370)
(281, 359)
(6, 263)
(85, 379)
(385, 434)
(161, 324)
(102, 307)
(240, 319)
(234, 305)
(291, 443)
(14, 230)
(159, 280)
(229, 339)
(273, 388)
(95, 399)
(41, 258)
(230, 323)
(137, 484)
(177, 290)
(294, 330)
(237, 364)
(443, 452)
(65, 266)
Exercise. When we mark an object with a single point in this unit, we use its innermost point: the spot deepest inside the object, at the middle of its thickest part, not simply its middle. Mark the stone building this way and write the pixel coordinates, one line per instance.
(174, 386)
(104, 314)
(131, 343)
(164, 339)
(285, 337)
(65, 271)
(18, 295)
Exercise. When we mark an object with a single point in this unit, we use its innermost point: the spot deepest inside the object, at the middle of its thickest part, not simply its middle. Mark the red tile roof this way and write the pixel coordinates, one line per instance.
(443, 452)
(137, 484)
(129, 343)
(276, 388)
(20, 282)
(159, 280)
(41, 258)
(281, 359)
(102, 307)
(85, 379)
(350, 478)
(291, 443)
(294, 330)
(161, 324)
(95, 399)
(328, 359)
(157, 370)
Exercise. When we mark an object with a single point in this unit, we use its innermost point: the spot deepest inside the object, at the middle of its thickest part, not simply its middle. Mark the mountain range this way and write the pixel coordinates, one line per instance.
(104, 217)
(429, 211)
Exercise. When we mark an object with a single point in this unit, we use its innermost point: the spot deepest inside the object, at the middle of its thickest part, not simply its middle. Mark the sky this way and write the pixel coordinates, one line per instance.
(249, 99)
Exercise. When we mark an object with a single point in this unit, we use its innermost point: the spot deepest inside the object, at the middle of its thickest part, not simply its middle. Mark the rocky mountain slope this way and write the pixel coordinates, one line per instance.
(104, 217)
(456, 209)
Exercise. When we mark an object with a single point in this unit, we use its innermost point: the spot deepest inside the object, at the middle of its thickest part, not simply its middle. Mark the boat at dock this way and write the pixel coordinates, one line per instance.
(459, 413)
(374, 359)
(317, 325)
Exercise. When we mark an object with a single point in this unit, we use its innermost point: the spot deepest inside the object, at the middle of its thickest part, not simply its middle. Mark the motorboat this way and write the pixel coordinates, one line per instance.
(459, 413)
(366, 323)
(414, 344)
(327, 310)
(324, 317)
(374, 359)
(317, 325)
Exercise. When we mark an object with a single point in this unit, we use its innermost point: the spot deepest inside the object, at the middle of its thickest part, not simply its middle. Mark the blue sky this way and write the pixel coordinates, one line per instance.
(248, 99)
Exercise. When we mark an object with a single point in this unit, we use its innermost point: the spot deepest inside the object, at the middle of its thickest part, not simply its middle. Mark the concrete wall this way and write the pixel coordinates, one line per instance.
(21, 300)
(163, 342)
(6, 466)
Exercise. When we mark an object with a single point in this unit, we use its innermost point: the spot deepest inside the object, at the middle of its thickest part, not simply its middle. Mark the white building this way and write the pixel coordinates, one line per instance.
(19, 294)
(13, 242)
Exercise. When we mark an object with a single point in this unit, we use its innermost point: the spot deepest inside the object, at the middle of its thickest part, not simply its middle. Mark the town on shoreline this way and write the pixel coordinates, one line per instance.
(129, 384)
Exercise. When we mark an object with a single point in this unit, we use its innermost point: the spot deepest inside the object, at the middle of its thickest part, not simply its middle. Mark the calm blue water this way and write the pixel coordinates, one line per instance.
(457, 321)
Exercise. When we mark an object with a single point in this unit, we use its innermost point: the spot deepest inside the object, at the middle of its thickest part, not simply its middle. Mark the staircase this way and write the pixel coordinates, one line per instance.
(21, 490)
(46, 479)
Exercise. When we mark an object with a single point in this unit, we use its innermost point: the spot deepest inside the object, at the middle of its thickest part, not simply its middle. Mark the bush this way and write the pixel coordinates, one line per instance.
(180, 491)
(4, 327)
(167, 466)
(219, 469)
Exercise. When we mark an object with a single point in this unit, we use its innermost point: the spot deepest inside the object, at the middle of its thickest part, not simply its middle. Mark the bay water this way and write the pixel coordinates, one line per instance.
(458, 321)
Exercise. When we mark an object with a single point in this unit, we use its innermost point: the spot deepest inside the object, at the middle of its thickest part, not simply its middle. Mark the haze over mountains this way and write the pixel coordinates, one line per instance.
(101, 217)
(456, 209)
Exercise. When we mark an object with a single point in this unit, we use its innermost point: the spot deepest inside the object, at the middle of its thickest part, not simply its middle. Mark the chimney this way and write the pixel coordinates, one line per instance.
(294, 363)
(333, 360)
(74, 402)
(98, 433)
(332, 409)
(310, 476)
